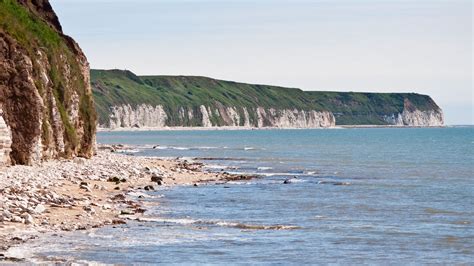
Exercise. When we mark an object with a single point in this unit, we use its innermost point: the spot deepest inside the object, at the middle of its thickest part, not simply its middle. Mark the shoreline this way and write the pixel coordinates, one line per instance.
(223, 128)
(81, 194)
(232, 128)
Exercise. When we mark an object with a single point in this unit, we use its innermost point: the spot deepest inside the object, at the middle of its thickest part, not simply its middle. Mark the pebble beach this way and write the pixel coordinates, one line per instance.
(80, 194)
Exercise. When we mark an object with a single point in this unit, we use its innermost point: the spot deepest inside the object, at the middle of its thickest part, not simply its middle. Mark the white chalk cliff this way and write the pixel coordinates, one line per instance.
(413, 117)
(147, 116)
(126, 116)
(144, 115)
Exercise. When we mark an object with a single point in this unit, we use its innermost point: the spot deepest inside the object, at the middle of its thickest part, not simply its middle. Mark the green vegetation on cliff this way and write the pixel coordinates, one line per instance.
(119, 87)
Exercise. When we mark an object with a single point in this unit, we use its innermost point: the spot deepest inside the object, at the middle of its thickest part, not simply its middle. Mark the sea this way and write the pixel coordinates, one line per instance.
(351, 196)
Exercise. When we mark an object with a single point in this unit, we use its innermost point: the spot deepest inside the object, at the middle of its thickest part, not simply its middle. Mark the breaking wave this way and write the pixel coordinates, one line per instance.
(187, 221)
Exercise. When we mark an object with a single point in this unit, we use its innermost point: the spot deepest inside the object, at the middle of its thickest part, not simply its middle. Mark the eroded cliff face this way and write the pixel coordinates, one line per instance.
(412, 116)
(144, 115)
(5, 142)
(45, 93)
(126, 116)
(147, 116)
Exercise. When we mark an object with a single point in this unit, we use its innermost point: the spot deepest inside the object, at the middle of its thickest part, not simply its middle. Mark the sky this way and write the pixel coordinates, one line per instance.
(340, 45)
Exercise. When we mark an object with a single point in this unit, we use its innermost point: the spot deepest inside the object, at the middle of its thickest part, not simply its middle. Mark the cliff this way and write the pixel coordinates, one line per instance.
(46, 105)
(124, 99)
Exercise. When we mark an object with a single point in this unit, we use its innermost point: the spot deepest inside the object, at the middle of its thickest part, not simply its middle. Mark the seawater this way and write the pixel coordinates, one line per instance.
(379, 195)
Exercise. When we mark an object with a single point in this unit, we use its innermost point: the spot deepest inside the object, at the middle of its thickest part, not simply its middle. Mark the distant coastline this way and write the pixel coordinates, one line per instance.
(102, 129)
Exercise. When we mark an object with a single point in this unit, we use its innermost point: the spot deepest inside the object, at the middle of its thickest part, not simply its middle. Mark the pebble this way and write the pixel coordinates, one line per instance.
(28, 219)
(39, 208)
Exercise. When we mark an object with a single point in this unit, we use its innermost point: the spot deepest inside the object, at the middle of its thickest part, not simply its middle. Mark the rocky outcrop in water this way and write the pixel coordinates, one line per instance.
(45, 93)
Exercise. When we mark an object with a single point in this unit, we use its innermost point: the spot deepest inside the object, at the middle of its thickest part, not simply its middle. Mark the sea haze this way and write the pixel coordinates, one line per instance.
(399, 195)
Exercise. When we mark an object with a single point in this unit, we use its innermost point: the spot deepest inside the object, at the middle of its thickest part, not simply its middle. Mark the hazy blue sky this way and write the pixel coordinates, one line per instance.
(360, 45)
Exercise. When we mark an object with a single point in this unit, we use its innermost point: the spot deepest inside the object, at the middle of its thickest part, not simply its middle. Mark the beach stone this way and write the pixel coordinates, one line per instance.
(147, 188)
(114, 179)
(126, 212)
(28, 219)
(119, 197)
(156, 178)
(118, 221)
(79, 160)
(88, 189)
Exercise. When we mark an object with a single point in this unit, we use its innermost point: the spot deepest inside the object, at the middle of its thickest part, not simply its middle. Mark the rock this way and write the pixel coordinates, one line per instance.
(289, 180)
(88, 189)
(118, 221)
(341, 183)
(136, 172)
(126, 212)
(147, 188)
(16, 219)
(156, 178)
(28, 219)
(114, 179)
(106, 207)
(89, 209)
(39, 208)
(29, 75)
(79, 160)
(118, 197)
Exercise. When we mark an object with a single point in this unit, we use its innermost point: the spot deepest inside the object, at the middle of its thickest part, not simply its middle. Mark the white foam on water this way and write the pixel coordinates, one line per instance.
(264, 168)
(239, 183)
(295, 180)
(183, 221)
(161, 147)
(206, 148)
(216, 166)
(170, 148)
(282, 174)
(180, 148)
(187, 221)
(128, 151)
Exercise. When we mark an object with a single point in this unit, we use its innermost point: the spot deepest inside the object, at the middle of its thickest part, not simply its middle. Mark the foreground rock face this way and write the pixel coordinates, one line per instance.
(5, 142)
(45, 97)
(126, 116)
